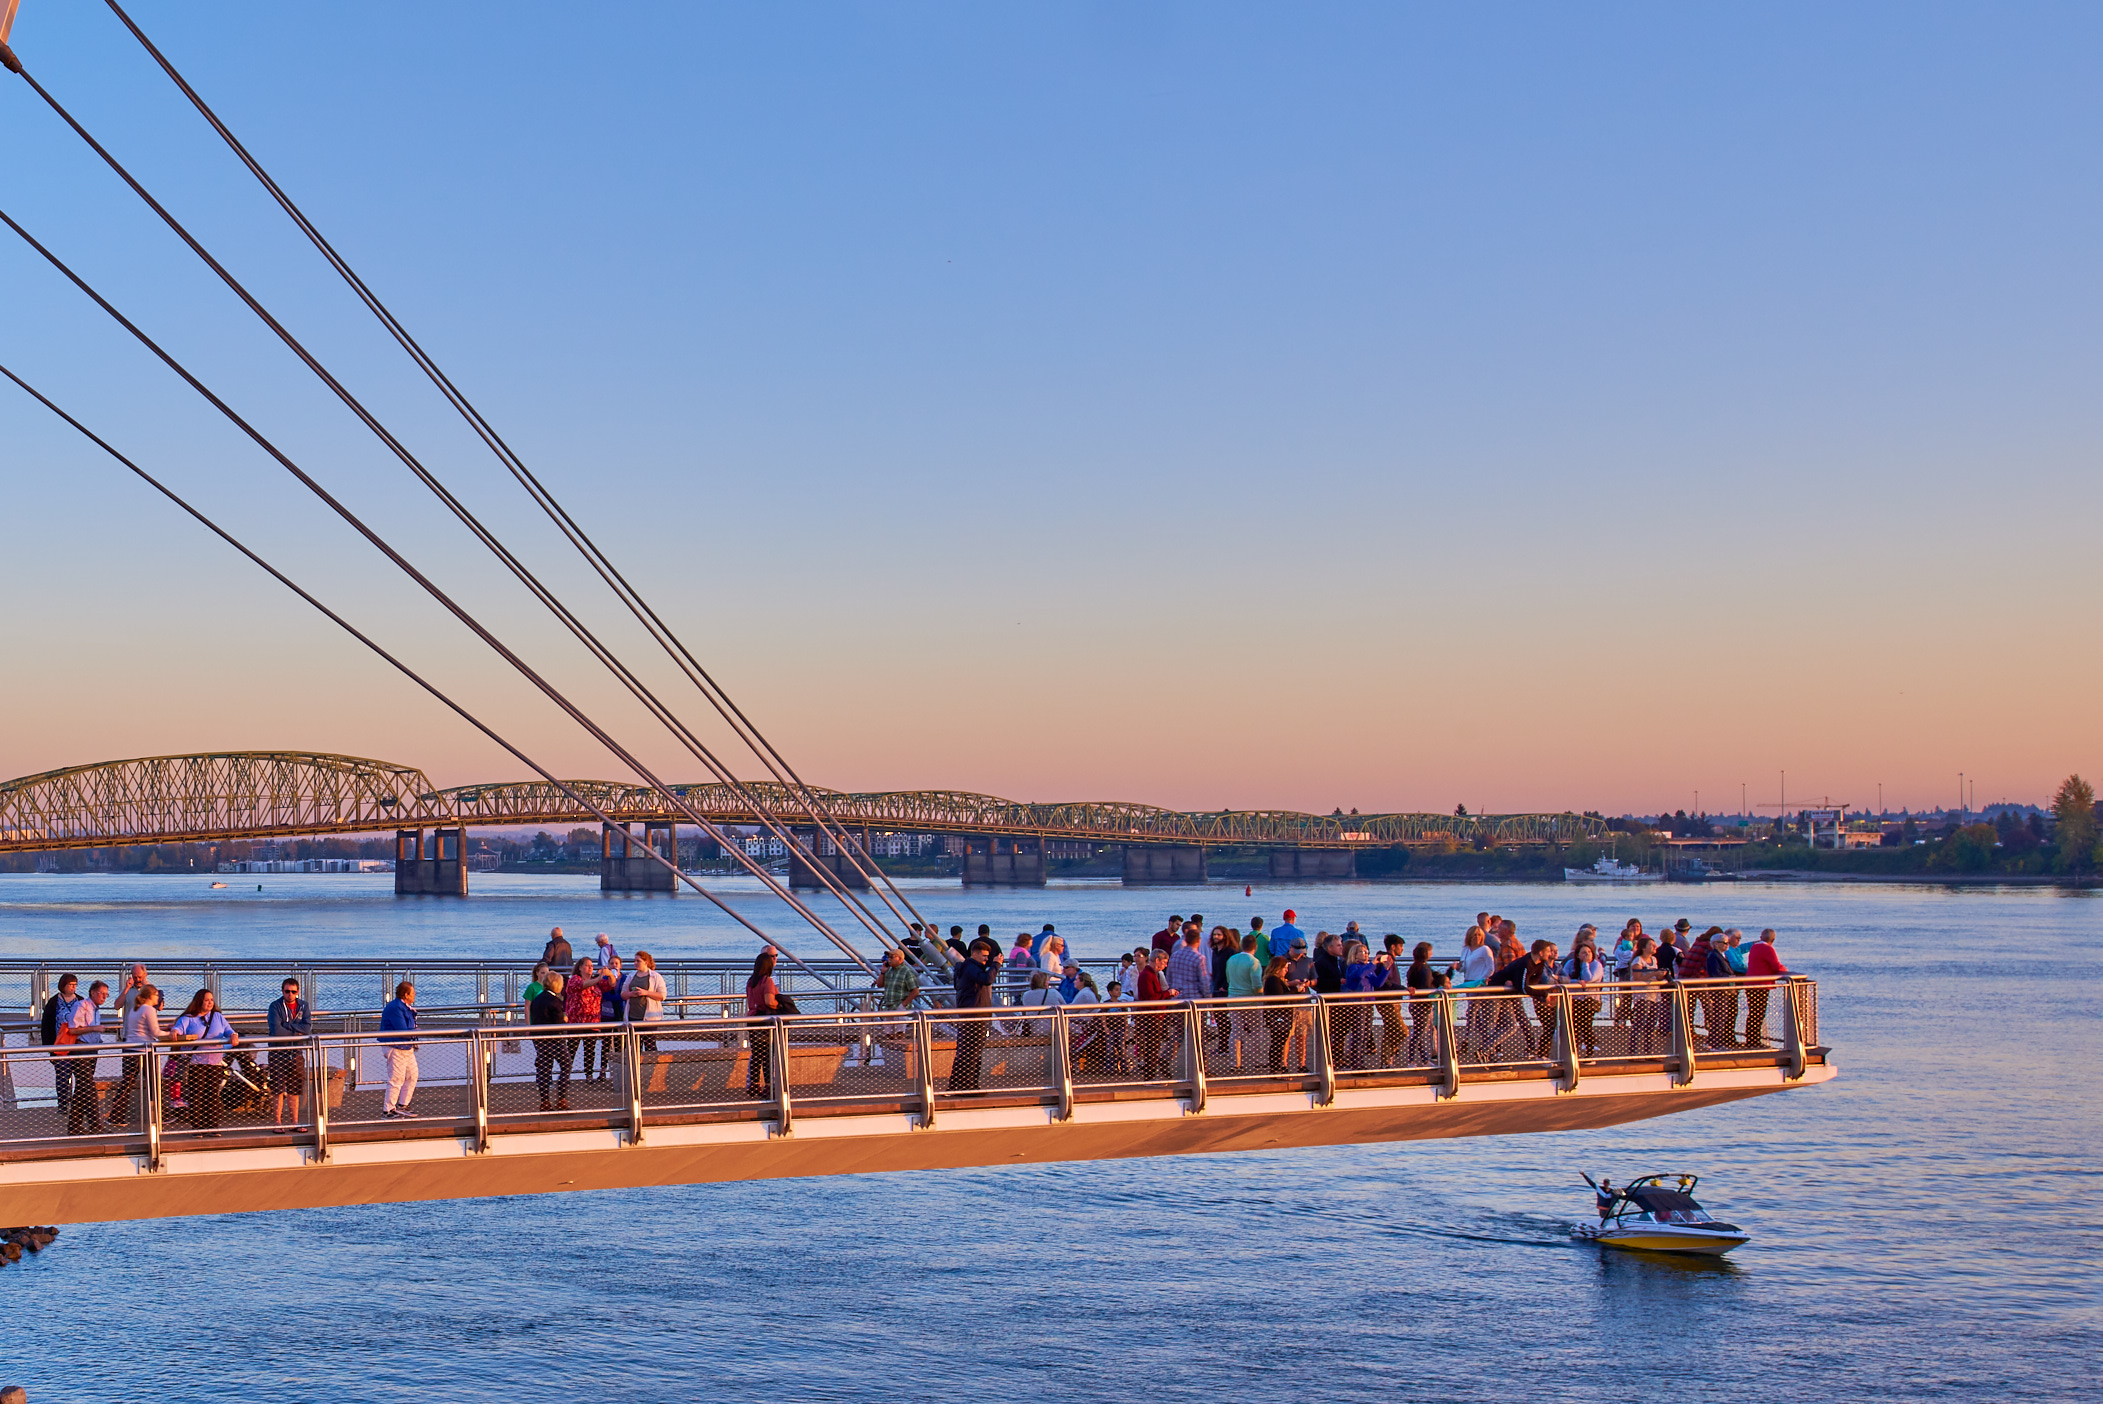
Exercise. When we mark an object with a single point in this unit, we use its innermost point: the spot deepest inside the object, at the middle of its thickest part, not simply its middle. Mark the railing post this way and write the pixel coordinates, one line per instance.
(352, 1024)
(1794, 1056)
(1325, 1066)
(39, 991)
(632, 1070)
(924, 1063)
(151, 1103)
(1682, 1004)
(1194, 1054)
(1449, 1046)
(1565, 1046)
(478, 1074)
(510, 987)
(482, 985)
(778, 1058)
(1062, 1062)
(318, 1059)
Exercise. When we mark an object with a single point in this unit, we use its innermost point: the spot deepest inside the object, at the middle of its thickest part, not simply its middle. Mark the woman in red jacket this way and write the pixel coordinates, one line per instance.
(1761, 963)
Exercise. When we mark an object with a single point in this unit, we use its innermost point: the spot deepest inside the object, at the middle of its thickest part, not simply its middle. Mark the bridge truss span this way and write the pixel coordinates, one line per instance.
(213, 796)
(268, 794)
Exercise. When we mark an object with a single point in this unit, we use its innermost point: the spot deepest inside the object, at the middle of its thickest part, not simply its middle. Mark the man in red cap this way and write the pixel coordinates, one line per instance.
(1285, 933)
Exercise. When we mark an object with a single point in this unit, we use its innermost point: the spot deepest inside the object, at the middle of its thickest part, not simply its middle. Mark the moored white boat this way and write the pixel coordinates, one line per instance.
(1611, 870)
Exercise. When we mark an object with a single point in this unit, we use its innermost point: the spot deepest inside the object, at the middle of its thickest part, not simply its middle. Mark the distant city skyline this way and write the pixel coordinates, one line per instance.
(1219, 407)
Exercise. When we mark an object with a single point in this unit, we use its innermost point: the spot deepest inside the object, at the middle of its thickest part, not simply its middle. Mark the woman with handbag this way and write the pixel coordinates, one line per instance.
(205, 1029)
(763, 1000)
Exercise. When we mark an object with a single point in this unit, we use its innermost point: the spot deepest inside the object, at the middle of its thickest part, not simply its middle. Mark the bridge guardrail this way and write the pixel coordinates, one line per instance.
(479, 1077)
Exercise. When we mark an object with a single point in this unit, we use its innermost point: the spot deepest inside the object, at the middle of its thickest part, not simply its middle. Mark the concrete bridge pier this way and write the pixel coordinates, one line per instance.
(811, 852)
(1303, 863)
(1158, 863)
(434, 868)
(995, 861)
(624, 861)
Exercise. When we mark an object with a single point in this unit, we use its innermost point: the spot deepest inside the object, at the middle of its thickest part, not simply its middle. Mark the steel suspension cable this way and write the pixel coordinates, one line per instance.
(380, 543)
(733, 716)
(563, 614)
(406, 671)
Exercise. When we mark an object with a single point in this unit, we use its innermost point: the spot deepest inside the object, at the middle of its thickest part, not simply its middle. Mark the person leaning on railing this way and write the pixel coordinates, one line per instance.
(1423, 984)
(1586, 973)
(1701, 963)
(1761, 963)
(1533, 975)
(1646, 1016)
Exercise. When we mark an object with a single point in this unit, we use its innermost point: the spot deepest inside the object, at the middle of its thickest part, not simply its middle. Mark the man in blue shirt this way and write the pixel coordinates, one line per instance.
(1285, 933)
(397, 1040)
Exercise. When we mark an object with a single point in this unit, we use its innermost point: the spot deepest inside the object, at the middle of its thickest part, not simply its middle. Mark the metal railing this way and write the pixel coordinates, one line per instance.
(471, 1074)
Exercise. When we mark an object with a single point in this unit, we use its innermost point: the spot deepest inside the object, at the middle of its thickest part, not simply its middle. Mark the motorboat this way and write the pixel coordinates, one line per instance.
(1658, 1214)
(1611, 870)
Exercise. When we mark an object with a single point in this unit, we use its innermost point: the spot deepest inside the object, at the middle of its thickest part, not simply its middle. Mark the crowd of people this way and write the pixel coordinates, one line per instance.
(1511, 996)
(196, 1079)
(1513, 992)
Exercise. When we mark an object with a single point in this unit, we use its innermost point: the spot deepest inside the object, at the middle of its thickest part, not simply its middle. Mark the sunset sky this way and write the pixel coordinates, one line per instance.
(1393, 407)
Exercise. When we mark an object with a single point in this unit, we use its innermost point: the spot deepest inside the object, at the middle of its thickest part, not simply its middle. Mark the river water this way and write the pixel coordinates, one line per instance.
(1923, 1226)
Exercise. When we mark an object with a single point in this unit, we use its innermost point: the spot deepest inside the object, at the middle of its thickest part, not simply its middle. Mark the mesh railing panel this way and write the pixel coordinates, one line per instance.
(1501, 1030)
(218, 1090)
(993, 1051)
(1252, 1039)
(853, 1058)
(1736, 1015)
(1383, 1031)
(708, 1065)
(431, 1072)
(544, 1069)
(1105, 1041)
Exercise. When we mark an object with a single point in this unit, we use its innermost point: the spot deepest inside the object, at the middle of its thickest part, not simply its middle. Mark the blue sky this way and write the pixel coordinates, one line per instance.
(1524, 406)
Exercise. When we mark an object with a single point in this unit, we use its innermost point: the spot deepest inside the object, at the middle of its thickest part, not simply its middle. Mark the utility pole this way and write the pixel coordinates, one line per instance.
(1961, 810)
